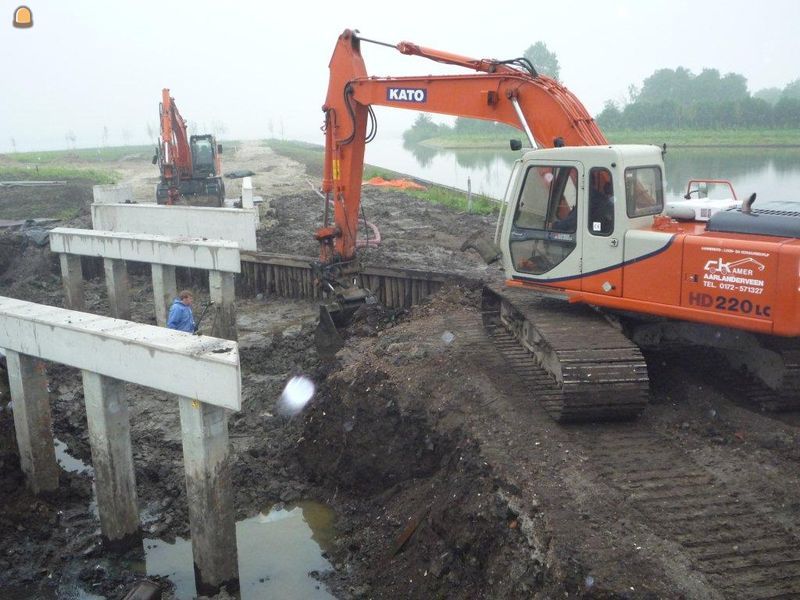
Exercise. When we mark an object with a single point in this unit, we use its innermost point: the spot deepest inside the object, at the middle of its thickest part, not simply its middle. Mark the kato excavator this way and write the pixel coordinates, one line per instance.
(189, 165)
(596, 266)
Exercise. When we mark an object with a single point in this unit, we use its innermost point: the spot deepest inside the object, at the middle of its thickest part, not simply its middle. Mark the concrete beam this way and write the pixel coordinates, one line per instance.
(72, 280)
(32, 421)
(206, 460)
(200, 367)
(223, 294)
(119, 289)
(112, 194)
(112, 459)
(193, 252)
(236, 225)
(165, 290)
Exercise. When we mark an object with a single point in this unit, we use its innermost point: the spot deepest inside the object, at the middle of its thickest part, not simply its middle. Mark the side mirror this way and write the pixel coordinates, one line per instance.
(155, 158)
(219, 148)
(515, 145)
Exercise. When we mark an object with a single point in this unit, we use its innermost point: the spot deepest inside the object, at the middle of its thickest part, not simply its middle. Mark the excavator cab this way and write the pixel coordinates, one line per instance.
(204, 155)
(571, 210)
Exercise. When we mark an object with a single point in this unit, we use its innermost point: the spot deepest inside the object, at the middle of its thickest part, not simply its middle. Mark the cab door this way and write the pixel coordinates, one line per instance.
(544, 244)
(602, 249)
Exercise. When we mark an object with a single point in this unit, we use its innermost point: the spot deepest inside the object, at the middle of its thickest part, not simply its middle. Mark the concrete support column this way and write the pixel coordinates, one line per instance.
(32, 421)
(247, 192)
(165, 290)
(72, 279)
(206, 460)
(112, 459)
(119, 293)
(223, 295)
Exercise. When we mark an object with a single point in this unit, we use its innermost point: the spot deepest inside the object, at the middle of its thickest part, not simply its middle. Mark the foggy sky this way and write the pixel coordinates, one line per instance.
(262, 71)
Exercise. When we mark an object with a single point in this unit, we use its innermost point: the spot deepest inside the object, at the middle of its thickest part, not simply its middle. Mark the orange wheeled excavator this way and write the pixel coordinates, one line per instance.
(596, 266)
(189, 165)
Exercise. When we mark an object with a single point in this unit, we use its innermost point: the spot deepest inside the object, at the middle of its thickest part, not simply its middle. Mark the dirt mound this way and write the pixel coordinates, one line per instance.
(358, 437)
(423, 511)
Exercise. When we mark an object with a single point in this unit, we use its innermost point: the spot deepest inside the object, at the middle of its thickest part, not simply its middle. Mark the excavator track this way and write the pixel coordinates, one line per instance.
(585, 368)
(757, 393)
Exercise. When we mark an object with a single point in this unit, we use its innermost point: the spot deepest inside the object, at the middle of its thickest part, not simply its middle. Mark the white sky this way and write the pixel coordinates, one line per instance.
(258, 67)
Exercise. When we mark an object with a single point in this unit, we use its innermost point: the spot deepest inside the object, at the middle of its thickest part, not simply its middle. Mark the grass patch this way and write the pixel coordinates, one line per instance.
(481, 205)
(56, 172)
(312, 156)
(99, 155)
(747, 138)
(709, 137)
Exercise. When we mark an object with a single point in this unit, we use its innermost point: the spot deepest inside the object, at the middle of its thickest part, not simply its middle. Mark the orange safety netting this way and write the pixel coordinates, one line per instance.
(396, 183)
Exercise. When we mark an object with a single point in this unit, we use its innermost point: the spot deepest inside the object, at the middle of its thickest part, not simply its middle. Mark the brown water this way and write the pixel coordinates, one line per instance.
(277, 551)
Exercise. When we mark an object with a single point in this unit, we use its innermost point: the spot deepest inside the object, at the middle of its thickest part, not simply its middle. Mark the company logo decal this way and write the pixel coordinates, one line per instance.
(418, 95)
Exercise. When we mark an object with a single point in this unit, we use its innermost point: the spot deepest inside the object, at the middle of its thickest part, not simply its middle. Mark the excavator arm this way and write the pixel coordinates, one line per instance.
(174, 153)
(509, 92)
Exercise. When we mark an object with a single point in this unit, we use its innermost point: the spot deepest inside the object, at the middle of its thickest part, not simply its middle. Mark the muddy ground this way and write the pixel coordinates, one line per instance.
(447, 478)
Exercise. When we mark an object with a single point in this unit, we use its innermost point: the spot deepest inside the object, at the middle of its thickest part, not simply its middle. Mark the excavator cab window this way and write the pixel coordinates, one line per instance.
(203, 156)
(545, 219)
(644, 191)
(601, 202)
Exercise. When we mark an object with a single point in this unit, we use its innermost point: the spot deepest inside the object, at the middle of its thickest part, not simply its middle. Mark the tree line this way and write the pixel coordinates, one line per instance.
(667, 99)
(679, 99)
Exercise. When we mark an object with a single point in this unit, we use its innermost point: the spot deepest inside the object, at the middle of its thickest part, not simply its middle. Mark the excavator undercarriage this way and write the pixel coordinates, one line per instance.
(585, 367)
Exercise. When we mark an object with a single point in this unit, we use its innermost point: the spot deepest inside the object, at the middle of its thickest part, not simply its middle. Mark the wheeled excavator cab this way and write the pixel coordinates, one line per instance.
(204, 155)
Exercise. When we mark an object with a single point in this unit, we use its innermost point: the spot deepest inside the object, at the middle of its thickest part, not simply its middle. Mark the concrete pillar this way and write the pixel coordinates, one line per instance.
(32, 421)
(112, 459)
(72, 279)
(119, 293)
(206, 460)
(247, 192)
(223, 295)
(165, 290)
(112, 194)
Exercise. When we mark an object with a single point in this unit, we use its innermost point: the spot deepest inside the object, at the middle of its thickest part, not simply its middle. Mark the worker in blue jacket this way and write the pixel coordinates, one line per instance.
(180, 313)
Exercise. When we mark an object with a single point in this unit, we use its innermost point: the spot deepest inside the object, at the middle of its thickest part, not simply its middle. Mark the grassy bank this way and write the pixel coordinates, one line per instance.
(700, 138)
(98, 155)
(709, 137)
(312, 156)
(56, 172)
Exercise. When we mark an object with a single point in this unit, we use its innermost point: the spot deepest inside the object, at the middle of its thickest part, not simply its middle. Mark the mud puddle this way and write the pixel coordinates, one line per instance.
(277, 552)
(68, 462)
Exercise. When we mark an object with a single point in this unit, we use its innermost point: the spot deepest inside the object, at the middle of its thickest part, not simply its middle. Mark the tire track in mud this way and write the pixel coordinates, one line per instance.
(737, 545)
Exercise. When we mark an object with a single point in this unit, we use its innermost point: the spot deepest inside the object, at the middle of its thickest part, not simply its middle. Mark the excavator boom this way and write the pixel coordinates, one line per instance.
(509, 92)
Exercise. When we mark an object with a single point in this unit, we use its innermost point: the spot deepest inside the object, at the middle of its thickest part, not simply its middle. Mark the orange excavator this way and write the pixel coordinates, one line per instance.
(189, 165)
(597, 265)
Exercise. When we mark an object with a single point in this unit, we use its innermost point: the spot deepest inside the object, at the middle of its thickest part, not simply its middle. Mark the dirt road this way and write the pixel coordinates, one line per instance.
(447, 478)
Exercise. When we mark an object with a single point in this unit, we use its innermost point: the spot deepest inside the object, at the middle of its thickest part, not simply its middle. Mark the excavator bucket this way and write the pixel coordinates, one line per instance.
(326, 338)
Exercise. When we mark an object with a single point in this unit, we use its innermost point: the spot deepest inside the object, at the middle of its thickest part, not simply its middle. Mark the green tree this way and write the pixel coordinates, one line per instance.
(792, 90)
(543, 60)
(787, 111)
(771, 95)
(423, 129)
(610, 117)
(666, 84)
